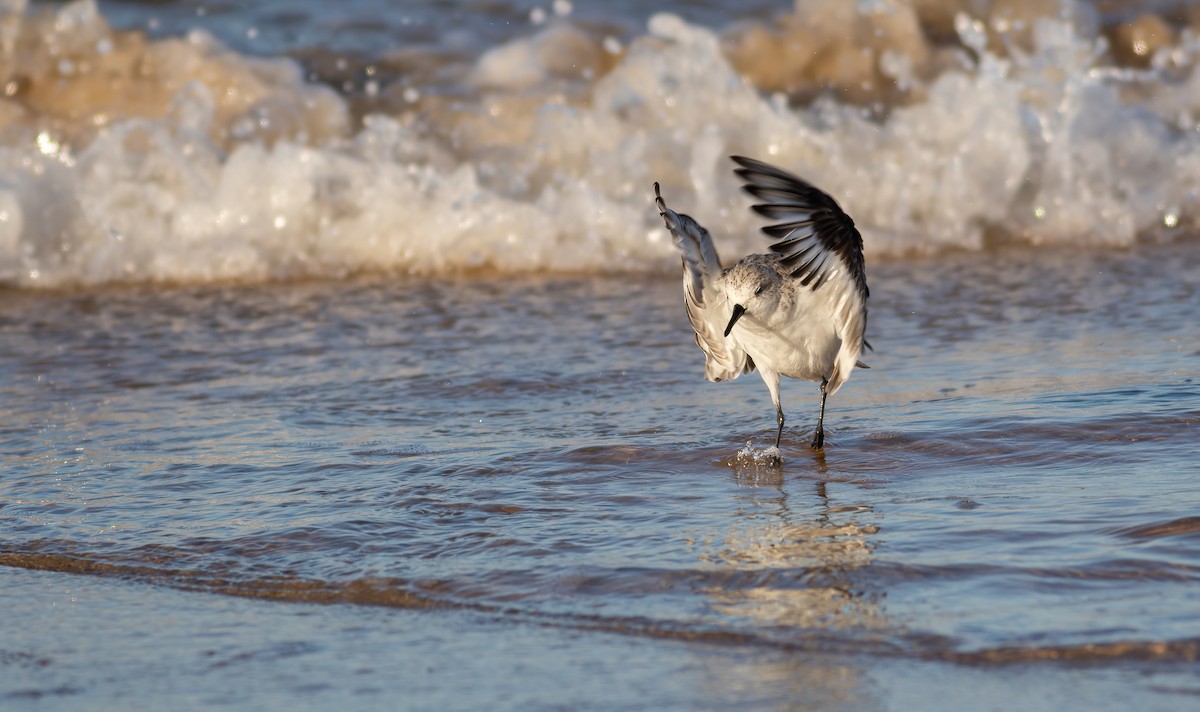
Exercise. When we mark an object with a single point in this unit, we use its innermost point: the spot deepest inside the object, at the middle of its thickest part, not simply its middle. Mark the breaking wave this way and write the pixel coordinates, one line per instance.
(127, 159)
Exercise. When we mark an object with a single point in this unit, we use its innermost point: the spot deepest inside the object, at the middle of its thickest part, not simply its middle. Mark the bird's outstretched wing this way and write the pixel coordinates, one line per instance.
(706, 309)
(817, 240)
(815, 237)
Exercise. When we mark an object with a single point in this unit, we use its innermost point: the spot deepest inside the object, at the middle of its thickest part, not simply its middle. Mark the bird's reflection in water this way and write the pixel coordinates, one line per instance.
(799, 547)
(808, 546)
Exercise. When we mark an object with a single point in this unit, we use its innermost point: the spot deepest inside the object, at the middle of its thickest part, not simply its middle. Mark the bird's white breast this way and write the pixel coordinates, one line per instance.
(800, 340)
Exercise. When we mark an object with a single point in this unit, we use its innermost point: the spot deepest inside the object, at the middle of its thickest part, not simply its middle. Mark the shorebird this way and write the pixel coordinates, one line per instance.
(799, 311)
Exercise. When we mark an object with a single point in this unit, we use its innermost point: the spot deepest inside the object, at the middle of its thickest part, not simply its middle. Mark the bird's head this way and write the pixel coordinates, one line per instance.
(752, 288)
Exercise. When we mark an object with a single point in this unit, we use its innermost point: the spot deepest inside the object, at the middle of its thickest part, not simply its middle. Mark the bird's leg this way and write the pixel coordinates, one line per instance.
(818, 442)
(772, 381)
(779, 418)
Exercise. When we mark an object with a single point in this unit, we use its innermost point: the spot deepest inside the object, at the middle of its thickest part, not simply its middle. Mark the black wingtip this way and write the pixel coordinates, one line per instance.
(749, 165)
(662, 208)
(744, 165)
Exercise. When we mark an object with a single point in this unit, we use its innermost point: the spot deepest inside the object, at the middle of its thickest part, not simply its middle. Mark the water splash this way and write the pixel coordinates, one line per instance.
(754, 465)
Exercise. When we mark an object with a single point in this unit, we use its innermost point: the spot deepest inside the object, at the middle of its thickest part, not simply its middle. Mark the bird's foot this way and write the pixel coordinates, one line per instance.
(818, 442)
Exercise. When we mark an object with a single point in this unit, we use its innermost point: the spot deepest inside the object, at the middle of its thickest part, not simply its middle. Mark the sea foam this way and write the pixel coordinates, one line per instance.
(124, 159)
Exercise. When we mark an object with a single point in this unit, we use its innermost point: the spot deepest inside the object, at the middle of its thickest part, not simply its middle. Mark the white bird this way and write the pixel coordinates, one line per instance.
(800, 311)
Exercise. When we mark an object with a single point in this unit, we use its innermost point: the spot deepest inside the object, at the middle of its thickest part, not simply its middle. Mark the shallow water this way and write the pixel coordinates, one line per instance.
(529, 480)
(344, 363)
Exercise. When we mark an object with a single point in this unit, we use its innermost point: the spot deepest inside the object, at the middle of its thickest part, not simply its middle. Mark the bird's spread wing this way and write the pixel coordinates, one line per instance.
(818, 242)
(814, 236)
(706, 310)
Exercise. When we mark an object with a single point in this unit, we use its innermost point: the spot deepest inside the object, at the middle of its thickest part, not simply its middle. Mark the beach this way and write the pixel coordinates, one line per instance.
(322, 392)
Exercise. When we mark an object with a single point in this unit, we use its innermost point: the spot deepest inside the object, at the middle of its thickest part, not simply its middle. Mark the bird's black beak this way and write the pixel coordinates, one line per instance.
(738, 311)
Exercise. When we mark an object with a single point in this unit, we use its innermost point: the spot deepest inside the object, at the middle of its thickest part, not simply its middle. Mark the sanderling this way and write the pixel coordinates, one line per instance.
(800, 311)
